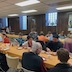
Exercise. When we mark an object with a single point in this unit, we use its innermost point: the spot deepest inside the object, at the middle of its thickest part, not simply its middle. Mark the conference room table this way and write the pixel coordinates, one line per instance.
(49, 60)
(14, 36)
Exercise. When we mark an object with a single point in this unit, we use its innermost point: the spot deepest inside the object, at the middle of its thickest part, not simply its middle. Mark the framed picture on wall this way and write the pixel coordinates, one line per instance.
(70, 23)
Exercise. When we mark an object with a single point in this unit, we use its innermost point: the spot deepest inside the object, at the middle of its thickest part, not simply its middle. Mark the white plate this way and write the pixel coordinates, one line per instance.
(43, 58)
(5, 48)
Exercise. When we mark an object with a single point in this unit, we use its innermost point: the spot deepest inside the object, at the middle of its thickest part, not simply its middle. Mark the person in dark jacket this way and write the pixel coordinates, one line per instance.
(3, 62)
(55, 44)
(63, 66)
(31, 61)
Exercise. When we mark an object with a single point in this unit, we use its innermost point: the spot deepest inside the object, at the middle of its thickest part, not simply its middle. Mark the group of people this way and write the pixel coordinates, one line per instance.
(31, 60)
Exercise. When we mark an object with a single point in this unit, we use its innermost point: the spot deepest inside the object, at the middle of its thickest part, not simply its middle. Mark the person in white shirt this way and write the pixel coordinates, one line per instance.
(29, 43)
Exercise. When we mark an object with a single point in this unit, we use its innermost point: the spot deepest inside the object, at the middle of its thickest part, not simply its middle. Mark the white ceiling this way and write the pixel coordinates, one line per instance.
(8, 6)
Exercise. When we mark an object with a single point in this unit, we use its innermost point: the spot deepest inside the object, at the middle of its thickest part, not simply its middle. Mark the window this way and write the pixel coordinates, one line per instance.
(51, 19)
(23, 22)
(5, 22)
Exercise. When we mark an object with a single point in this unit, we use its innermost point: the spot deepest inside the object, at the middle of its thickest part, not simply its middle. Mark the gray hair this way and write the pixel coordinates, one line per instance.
(36, 46)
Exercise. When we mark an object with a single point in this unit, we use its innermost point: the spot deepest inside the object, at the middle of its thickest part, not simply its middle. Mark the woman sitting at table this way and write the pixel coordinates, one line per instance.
(5, 38)
(20, 40)
(49, 35)
(29, 42)
(61, 35)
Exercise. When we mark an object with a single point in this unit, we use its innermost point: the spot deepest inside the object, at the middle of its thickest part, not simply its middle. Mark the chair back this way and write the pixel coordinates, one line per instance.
(12, 61)
(23, 70)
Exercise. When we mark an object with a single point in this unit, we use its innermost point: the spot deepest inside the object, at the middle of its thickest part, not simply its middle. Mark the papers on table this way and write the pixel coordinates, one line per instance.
(19, 48)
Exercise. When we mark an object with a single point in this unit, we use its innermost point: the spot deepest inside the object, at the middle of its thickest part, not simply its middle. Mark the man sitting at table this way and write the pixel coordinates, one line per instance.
(33, 34)
(31, 61)
(20, 40)
(29, 43)
(63, 66)
(55, 44)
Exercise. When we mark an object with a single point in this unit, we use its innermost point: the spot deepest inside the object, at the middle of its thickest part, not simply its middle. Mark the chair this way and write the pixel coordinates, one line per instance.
(12, 61)
(1, 70)
(23, 70)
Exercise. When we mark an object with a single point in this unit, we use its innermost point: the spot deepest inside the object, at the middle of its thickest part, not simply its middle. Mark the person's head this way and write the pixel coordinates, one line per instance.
(29, 39)
(41, 33)
(20, 35)
(32, 30)
(55, 38)
(63, 55)
(70, 34)
(62, 33)
(49, 32)
(4, 35)
(37, 48)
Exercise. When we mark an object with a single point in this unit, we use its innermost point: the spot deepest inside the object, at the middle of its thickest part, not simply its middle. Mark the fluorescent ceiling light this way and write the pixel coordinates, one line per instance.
(63, 8)
(28, 2)
(13, 15)
(29, 11)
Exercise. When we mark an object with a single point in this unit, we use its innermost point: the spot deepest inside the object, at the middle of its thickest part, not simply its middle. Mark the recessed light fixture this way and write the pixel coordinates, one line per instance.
(28, 2)
(63, 8)
(13, 15)
(29, 11)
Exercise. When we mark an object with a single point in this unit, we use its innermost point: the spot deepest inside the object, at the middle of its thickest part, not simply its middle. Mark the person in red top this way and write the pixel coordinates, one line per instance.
(5, 39)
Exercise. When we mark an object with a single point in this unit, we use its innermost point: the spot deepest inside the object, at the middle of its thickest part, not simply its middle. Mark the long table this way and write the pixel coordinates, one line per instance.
(14, 51)
(14, 36)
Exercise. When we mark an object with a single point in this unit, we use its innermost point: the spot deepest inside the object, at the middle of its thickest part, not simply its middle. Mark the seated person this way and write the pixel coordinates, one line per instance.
(61, 35)
(68, 43)
(20, 40)
(43, 38)
(33, 34)
(68, 39)
(63, 66)
(55, 44)
(49, 34)
(5, 38)
(29, 43)
(31, 61)
(3, 62)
